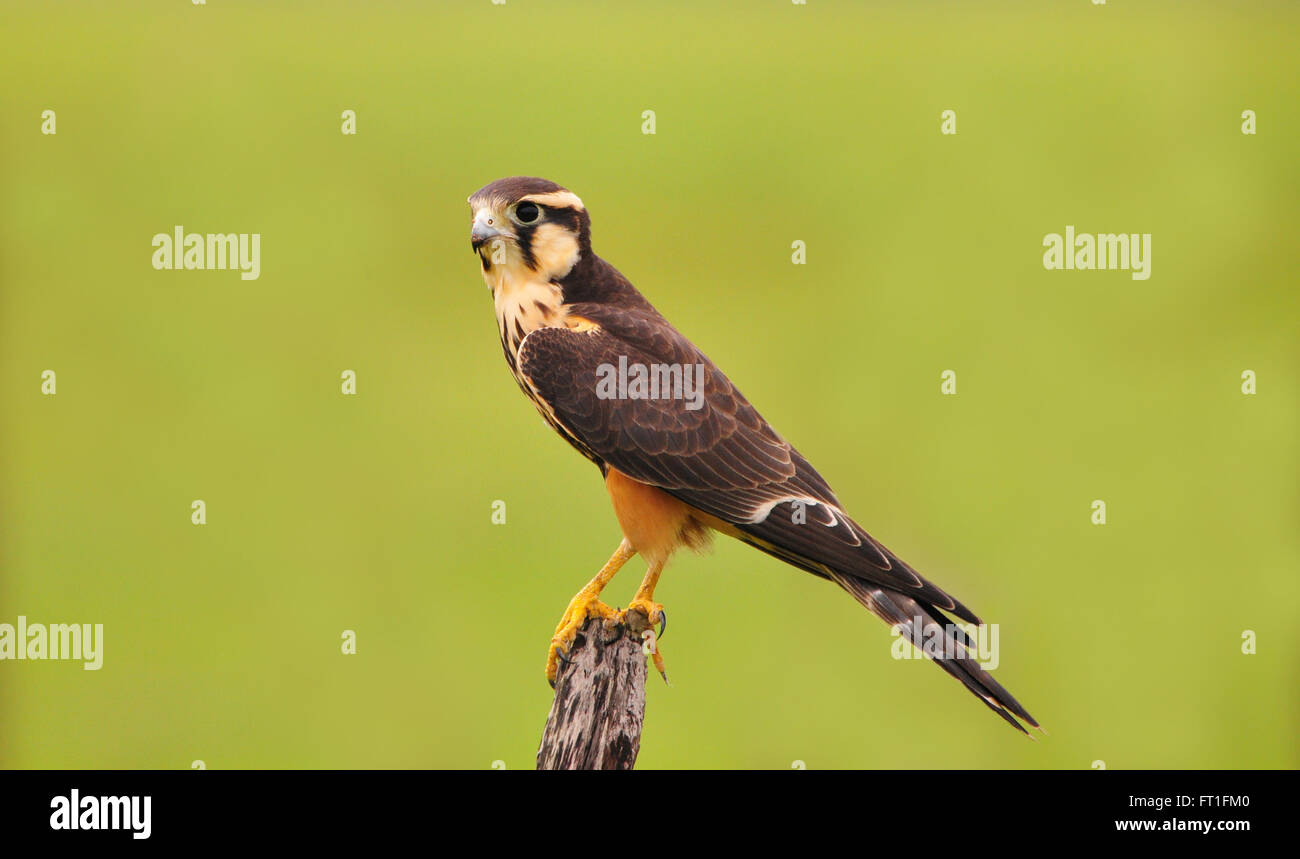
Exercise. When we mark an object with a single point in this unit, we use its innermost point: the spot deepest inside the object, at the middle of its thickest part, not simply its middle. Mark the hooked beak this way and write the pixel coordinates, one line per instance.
(484, 230)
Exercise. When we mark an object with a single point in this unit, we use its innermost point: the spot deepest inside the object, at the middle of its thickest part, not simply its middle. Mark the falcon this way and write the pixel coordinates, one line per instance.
(611, 376)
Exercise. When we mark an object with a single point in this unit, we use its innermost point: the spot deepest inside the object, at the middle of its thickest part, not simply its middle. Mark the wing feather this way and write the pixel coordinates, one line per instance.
(722, 458)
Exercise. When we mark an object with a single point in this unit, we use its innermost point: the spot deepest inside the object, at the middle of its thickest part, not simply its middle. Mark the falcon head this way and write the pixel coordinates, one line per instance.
(528, 227)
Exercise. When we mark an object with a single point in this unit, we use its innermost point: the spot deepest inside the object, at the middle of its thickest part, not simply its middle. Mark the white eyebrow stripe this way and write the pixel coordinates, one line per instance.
(557, 199)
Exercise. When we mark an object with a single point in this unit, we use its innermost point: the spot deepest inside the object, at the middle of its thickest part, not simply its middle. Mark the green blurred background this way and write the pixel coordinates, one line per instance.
(775, 123)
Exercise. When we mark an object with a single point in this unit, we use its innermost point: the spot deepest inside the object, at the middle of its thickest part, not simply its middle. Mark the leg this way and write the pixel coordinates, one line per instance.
(643, 613)
(584, 605)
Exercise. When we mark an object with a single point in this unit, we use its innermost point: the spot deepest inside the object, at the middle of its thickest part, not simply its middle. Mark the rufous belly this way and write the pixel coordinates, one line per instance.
(654, 522)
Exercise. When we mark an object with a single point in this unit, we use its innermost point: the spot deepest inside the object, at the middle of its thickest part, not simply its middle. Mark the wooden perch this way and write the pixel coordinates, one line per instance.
(595, 719)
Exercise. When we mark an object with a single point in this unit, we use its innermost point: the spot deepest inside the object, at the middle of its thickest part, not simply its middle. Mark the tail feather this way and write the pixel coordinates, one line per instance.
(901, 611)
(835, 547)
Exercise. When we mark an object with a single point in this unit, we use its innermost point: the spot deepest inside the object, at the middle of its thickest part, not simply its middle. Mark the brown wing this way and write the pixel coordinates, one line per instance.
(722, 458)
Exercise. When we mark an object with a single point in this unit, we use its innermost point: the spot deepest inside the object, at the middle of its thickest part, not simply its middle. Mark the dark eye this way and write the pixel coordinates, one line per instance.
(527, 213)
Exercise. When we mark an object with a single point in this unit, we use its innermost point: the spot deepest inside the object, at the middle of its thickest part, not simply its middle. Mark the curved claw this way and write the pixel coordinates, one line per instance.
(583, 607)
(663, 624)
(562, 661)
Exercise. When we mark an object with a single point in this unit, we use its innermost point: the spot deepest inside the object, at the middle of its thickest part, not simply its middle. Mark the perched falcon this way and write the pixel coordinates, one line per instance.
(683, 453)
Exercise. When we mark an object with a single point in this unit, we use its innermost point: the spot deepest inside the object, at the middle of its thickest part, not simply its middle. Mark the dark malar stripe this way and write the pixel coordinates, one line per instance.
(525, 242)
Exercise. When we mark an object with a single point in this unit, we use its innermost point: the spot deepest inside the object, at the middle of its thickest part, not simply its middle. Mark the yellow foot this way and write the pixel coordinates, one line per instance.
(581, 607)
(640, 617)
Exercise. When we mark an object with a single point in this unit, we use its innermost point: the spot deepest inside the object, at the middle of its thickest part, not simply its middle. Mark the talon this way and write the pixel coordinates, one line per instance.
(653, 613)
(583, 606)
(648, 614)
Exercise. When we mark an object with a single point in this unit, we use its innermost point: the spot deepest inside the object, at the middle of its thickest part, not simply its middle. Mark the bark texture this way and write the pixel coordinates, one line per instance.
(595, 719)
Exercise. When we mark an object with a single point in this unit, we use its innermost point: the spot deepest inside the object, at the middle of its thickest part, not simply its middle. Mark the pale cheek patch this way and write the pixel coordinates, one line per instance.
(555, 249)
